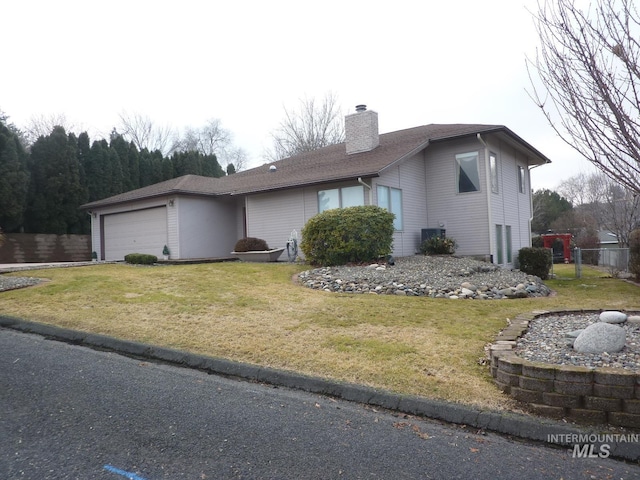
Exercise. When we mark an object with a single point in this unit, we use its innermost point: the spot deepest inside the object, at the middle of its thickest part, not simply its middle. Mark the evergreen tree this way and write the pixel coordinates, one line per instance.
(14, 178)
(95, 171)
(211, 167)
(547, 207)
(55, 192)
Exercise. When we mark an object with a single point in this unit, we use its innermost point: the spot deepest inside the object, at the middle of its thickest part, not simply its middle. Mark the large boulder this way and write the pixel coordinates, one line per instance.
(612, 316)
(600, 337)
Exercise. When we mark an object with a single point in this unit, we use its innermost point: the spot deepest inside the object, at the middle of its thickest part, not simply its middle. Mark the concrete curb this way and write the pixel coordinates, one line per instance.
(508, 423)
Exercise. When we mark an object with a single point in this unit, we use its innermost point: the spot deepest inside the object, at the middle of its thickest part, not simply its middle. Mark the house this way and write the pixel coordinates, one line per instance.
(472, 181)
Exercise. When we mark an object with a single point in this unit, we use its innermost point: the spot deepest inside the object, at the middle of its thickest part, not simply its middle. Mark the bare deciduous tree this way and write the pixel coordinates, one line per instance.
(314, 125)
(42, 126)
(614, 207)
(588, 82)
(214, 139)
(145, 133)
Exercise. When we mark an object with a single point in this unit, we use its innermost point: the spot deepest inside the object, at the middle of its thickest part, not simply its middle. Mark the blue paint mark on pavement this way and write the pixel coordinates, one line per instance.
(129, 475)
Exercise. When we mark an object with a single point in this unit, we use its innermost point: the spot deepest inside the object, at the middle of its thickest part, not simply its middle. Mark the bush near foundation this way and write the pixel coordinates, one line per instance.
(251, 244)
(348, 235)
(140, 259)
(535, 261)
(438, 246)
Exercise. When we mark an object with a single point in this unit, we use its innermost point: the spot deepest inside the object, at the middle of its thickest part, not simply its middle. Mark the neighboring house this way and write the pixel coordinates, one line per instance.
(471, 180)
(607, 239)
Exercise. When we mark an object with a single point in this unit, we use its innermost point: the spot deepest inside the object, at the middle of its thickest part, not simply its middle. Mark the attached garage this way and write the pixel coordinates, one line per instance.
(138, 231)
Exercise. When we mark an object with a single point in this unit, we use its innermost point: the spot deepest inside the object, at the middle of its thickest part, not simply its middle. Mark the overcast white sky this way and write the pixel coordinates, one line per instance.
(183, 62)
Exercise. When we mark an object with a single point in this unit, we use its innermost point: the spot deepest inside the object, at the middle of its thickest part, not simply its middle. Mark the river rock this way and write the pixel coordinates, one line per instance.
(600, 337)
(613, 316)
(633, 319)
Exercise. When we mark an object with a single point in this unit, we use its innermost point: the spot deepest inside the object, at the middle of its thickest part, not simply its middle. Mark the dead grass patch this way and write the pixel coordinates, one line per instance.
(254, 313)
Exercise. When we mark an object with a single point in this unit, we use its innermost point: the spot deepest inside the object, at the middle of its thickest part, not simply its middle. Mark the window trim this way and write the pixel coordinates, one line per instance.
(340, 198)
(522, 179)
(499, 245)
(459, 168)
(493, 172)
(391, 207)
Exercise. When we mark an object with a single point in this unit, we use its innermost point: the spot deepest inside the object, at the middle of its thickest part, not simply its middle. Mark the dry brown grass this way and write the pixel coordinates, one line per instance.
(255, 313)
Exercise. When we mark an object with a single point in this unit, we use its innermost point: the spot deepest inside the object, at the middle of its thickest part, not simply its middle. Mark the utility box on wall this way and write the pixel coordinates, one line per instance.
(428, 233)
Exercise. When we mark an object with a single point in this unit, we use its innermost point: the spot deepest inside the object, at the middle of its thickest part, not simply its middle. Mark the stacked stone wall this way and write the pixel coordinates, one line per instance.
(587, 395)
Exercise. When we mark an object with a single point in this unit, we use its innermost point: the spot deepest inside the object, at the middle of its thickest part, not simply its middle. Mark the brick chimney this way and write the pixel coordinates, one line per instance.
(361, 130)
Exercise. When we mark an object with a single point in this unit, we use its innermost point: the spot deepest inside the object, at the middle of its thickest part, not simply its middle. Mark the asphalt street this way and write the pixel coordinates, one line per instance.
(70, 412)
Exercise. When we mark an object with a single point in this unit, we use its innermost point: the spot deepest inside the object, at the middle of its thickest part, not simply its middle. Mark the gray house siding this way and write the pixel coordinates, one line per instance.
(510, 207)
(463, 215)
(201, 227)
(272, 216)
(409, 177)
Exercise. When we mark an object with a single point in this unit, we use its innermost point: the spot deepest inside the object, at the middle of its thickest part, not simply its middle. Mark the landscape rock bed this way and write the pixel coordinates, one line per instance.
(11, 283)
(433, 276)
(546, 341)
(592, 389)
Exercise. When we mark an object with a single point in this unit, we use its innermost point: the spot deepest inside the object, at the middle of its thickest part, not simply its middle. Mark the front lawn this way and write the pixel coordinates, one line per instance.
(255, 313)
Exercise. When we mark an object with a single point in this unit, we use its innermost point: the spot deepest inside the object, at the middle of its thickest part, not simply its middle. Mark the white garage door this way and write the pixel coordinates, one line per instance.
(140, 231)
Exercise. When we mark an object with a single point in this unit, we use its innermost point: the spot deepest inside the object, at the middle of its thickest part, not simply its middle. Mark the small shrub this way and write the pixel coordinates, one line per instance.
(140, 259)
(250, 244)
(535, 261)
(634, 253)
(438, 246)
(348, 235)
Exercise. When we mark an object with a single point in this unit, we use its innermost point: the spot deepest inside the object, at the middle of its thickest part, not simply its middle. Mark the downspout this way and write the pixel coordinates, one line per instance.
(362, 182)
(488, 189)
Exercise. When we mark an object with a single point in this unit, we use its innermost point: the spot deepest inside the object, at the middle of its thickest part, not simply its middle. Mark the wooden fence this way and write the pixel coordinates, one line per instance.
(37, 248)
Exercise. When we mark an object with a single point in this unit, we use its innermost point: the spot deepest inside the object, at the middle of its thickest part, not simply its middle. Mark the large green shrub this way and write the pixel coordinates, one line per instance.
(348, 235)
(140, 259)
(438, 246)
(250, 244)
(535, 261)
(634, 253)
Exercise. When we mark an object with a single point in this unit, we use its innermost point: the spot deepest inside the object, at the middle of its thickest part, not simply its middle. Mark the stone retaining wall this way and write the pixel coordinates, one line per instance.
(595, 396)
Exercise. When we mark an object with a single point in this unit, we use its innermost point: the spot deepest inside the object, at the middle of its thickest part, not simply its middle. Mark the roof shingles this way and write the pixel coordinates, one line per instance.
(320, 166)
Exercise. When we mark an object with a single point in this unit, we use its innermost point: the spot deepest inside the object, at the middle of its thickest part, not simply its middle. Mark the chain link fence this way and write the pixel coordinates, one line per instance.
(614, 260)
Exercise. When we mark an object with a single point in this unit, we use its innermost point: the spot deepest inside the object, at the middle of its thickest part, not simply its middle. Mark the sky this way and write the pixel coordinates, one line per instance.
(183, 63)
